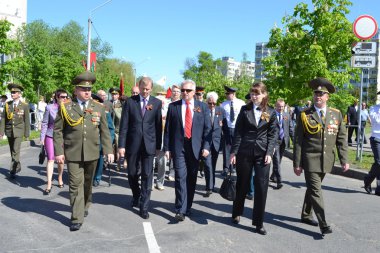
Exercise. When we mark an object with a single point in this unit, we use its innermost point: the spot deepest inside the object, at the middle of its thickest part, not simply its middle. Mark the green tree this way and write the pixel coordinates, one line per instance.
(316, 42)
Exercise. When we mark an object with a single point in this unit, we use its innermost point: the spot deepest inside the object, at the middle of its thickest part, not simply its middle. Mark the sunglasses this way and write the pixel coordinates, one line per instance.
(14, 92)
(211, 103)
(63, 97)
(320, 93)
(199, 94)
(186, 90)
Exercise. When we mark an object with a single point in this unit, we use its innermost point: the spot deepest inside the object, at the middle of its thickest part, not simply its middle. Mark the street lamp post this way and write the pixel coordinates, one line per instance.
(89, 33)
(134, 69)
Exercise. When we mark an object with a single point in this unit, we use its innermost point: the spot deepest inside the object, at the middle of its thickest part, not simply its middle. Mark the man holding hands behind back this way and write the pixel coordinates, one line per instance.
(319, 129)
(186, 138)
(140, 139)
(77, 128)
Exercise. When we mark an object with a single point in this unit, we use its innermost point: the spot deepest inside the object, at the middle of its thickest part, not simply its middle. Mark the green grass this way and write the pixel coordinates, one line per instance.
(365, 164)
(33, 135)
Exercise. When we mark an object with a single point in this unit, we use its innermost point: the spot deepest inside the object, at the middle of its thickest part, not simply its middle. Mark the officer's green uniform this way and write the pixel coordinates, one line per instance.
(15, 124)
(77, 135)
(314, 150)
(117, 108)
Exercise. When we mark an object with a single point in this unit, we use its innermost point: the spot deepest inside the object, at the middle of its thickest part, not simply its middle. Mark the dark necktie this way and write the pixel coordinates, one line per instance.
(212, 117)
(188, 121)
(232, 113)
(14, 107)
(143, 109)
(322, 117)
(281, 134)
(84, 106)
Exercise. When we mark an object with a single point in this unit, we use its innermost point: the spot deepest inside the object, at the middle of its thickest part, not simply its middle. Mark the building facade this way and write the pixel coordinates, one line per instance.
(235, 69)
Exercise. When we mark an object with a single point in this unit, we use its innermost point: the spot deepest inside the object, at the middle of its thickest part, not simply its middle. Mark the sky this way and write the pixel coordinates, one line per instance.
(157, 36)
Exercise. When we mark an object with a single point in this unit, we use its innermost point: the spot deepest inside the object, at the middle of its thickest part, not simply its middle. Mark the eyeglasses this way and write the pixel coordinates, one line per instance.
(14, 92)
(211, 103)
(63, 97)
(85, 88)
(186, 90)
(199, 94)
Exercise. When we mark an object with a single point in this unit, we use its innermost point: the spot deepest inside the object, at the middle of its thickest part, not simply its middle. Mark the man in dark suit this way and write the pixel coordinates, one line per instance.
(77, 128)
(352, 121)
(186, 138)
(216, 115)
(140, 139)
(285, 130)
(15, 124)
(319, 129)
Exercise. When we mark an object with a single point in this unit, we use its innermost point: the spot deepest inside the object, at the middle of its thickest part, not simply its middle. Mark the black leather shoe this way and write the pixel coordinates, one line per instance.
(75, 226)
(180, 217)
(261, 230)
(144, 215)
(85, 213)
(207, 194)
(279, 186)
(236, 220)
(272, 179)
(326, 230)
(368, 188)
(248, 196)
(310, 222)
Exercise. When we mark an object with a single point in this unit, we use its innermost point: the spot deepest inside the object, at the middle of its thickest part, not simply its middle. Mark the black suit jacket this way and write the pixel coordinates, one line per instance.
(251, 138)
(174, 132)
(352, 115)
(288, 128)
(216, 129)
(134, 128)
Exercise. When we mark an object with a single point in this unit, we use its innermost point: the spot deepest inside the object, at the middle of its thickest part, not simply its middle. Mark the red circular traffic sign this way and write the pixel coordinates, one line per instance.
(365, 27)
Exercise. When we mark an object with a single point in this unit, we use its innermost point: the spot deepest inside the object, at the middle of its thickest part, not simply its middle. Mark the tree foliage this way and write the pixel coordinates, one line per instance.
(315, 42)
(45, 58)
(207, 72)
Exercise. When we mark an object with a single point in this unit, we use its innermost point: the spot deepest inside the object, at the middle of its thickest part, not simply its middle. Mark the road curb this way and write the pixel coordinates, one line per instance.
(353, 172)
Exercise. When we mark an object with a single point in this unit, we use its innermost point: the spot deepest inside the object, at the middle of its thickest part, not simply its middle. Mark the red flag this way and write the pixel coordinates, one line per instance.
(121, 84)
(169, 93)
(92, 62)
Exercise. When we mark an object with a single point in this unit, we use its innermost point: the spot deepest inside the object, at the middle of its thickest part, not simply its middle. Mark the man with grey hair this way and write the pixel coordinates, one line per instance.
(216, 119)
(186, 142)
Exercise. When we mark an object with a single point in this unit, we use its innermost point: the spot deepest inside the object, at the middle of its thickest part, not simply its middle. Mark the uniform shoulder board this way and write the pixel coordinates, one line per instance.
(334, 109)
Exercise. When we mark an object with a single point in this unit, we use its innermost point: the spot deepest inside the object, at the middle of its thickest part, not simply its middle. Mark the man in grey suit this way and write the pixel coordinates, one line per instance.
(285, 130)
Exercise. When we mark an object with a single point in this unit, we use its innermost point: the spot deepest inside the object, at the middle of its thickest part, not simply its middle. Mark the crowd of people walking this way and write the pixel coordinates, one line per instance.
(184, 134)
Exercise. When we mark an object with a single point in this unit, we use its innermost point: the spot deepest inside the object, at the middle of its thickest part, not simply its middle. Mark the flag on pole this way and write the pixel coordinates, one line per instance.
(93, 62)
(169, 93)
(121, 84)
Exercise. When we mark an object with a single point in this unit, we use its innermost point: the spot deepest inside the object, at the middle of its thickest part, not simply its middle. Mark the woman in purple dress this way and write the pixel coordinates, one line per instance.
(46, 138)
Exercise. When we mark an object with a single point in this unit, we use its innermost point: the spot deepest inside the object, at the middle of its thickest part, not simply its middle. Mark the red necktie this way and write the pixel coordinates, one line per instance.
(188, 121)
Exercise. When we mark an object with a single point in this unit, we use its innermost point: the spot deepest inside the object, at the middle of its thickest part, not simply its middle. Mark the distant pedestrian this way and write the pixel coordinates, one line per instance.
(285, 133)
(352, 121)
(319, 130)
(15, 124)
(364, 117)
(46, 138)
(231, 109)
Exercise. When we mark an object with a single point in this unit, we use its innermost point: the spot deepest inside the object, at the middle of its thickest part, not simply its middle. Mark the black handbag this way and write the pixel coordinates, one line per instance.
(41, 157)
(228, 188)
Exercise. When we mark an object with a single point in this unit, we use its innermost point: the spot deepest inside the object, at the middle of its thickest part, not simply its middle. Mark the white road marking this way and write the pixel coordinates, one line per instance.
(150, 238)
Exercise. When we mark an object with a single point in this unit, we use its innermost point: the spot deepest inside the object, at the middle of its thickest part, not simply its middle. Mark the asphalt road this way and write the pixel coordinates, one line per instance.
(32, 222)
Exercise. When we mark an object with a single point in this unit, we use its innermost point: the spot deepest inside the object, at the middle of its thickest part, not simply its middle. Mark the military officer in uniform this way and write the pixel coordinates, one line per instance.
(117, 107)
(80, 127)
(15, 124)
(319, 129)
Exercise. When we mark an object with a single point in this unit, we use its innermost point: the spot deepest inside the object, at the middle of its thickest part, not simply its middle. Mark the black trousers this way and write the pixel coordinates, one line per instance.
(146, 176)
(351, 131)
(277, 157)
(244, 166)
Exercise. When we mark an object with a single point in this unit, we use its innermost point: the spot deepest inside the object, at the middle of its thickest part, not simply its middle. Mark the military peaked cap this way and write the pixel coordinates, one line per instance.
(85, 79)
(15, 87)
(322, 84)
